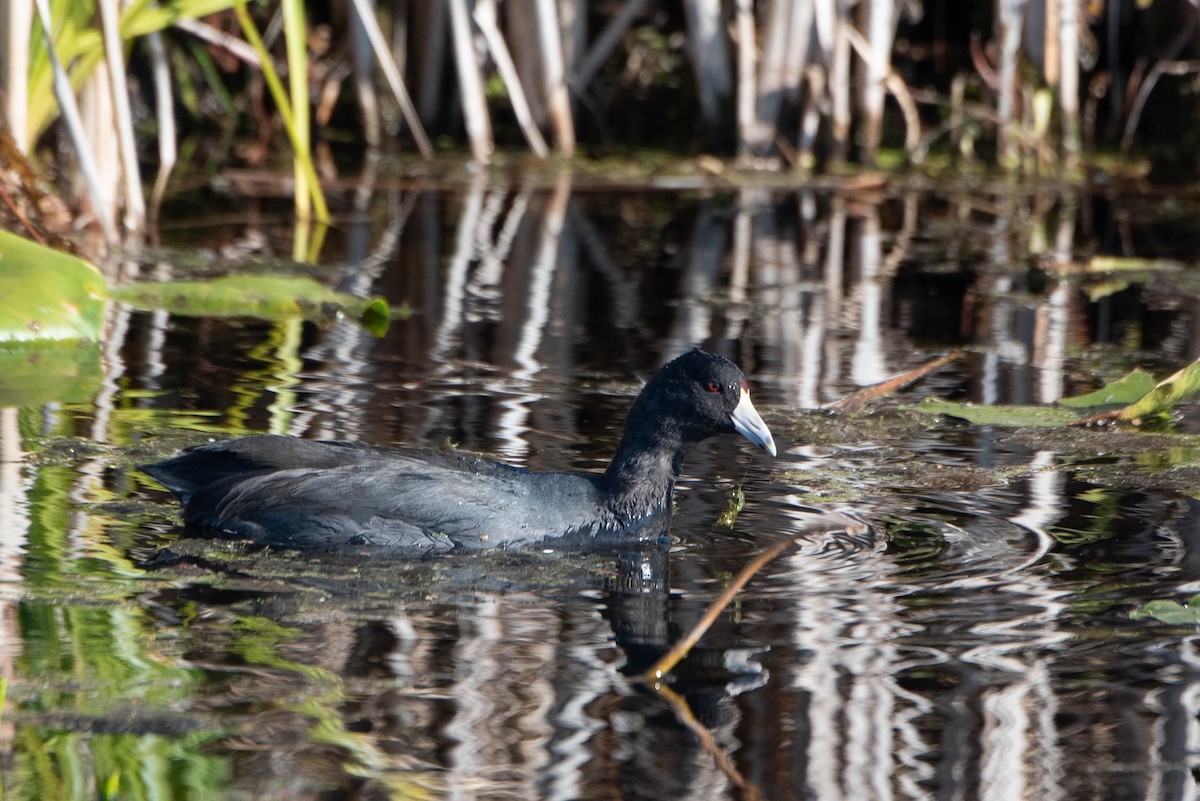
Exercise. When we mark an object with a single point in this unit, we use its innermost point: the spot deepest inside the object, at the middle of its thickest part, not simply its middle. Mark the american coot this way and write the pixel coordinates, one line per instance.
(307, 494)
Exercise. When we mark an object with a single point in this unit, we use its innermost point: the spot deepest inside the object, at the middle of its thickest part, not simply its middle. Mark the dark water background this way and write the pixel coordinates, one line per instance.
(991, 643)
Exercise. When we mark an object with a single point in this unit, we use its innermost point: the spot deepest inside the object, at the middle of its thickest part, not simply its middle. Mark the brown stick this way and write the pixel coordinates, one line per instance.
(21, 218)
(856, 400)
(895, 84)
(1160, 69)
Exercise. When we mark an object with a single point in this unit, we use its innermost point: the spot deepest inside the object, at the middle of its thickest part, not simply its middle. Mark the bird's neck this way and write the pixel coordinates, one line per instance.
(642, 474)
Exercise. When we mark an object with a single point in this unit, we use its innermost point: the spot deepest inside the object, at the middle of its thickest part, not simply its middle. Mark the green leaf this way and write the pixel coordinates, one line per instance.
(1170, 612)
(1122, 392)
(79, 45)
(143, 17)
(1169, 392)
(47, 295)
(264, 296)
(1011, 416)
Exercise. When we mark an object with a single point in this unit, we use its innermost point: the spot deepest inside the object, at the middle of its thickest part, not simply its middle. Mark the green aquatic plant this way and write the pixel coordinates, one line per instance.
(80, 45)
(1013, 416)
(293, 109)
(51, 310)
(1129, 389)
(46, 294)
(1131, 399)
(733, 507)
(263, 296)
(1171, 612)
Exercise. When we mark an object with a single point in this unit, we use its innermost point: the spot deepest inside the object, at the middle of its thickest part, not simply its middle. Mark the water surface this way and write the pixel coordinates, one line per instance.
(992, 641)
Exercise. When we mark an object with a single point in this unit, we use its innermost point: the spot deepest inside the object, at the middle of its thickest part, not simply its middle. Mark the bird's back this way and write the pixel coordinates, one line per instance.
(307, 494)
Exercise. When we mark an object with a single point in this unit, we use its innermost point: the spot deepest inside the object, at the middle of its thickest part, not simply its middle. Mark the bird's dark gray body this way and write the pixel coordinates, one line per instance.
(309, 494)
(327, 495)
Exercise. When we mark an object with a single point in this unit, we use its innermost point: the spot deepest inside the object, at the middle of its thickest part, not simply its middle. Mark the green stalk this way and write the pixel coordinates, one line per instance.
(280, 97)
(297, 59)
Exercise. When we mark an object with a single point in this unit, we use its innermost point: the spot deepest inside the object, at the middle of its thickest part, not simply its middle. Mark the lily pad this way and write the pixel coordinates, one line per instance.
(1011, 416)
(263, 296)
(1171, 612)
(1133, 397)
(46, 294)
(1129, 389)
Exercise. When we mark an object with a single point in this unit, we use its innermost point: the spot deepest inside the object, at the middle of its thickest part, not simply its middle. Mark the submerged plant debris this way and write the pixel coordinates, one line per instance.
(733, 507)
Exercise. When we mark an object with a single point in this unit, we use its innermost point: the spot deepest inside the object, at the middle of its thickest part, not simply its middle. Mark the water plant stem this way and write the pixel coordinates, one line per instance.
(135, 203)
(388, 64)
(297, 61)
(320, 210)
(65, 96)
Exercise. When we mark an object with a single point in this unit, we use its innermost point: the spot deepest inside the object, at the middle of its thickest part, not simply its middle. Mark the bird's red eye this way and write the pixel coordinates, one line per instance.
(713, 386)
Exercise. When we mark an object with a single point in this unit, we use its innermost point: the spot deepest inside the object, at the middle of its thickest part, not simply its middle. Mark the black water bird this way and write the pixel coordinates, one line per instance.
(300, 493)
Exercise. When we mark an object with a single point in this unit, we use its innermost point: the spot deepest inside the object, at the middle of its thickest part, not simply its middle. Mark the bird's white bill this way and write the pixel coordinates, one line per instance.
(748, 423)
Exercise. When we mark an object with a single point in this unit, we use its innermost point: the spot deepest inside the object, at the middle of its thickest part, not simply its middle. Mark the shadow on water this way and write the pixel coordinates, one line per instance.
(992, 650)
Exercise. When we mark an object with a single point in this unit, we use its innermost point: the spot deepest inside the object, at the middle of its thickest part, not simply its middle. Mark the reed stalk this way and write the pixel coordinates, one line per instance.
(283, 105)
(747, 59)
(1007, 141)
(430, 59)
(485, 18)
(706, 38)
(880, 27)
(839, 82)
(16, 21)
(771, 84)
(65, 95)
(297, 60)
(608, 40)
(470, 83)
(168, 150)
(370, 25)
(558, 102)
(1068, 87)
(122, 119)
(899, 90)
(364, 85)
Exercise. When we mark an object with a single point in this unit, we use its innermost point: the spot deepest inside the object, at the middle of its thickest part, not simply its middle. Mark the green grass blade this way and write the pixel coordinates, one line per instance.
(297, 59)
(321, 212)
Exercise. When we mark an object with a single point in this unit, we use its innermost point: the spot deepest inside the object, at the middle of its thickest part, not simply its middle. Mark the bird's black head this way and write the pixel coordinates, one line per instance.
(691, 398)
(704, 395)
